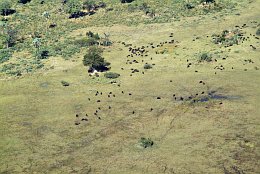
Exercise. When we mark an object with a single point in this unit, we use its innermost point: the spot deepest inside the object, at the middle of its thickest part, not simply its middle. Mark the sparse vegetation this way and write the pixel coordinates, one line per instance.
(64, 83)
(205, 57)
(228, 38)
(73, 6)
(148, 66)
(89, 5)
(111, 75)
(146, 142)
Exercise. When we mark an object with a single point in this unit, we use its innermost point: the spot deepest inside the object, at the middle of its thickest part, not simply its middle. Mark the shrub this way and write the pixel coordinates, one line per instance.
(111, 75)
(189, 6)
(89, 5)
(64, 83)
(258, 32)
(43, 53)
(84, 42)
(144, 6)
(5, 55)
(93, 35)
(205, 57)
(73, 6)
(228, 38)
(148, 66)
(10, 36)
(94, 59)
(146, 142)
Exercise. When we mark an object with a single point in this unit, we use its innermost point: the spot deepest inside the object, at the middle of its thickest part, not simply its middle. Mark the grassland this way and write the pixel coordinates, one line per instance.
(218, 133)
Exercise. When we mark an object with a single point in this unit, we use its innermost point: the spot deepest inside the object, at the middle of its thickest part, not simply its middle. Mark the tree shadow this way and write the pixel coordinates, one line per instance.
(81, 14)
(8, 12)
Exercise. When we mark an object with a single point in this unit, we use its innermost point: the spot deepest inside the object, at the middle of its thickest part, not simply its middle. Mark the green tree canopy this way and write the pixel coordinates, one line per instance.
(94, 59)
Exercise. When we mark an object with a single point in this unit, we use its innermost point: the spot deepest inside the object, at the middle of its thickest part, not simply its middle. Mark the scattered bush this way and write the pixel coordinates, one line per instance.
(205, 57)
(146, 142)
(111, 75)
(228, 38)
(148, 66)
(94, 59)
(22, 66)
(64, 83)
(84, 42)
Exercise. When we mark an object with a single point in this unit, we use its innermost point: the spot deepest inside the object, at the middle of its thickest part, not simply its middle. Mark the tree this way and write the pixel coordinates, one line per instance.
(5, 7)
(73, 6)
(94, 59)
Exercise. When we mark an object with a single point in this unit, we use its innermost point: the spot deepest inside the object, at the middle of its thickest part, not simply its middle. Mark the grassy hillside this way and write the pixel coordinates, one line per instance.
(197, 104)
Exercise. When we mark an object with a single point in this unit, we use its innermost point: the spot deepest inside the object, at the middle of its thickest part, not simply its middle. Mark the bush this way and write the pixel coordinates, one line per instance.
(89, 5)
(73, 6)
(84, 42)
(43, 54)
(10, 36)
(228, 38)
(146, 142)
(5, 55)
(205, 57)
(95, 36)
(258, 32)
(94, 59)
(64, 83)
(148, 66)
(111, 75)
(189, 6)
